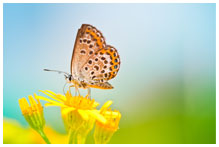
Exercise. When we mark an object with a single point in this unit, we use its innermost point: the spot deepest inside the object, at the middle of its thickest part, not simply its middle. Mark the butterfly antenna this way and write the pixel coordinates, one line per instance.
(56, 71)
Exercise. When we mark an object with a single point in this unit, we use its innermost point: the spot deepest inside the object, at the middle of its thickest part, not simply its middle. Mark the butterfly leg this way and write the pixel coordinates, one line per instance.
(88, 93)
(77, 91)
(64, 88)
(70, 87)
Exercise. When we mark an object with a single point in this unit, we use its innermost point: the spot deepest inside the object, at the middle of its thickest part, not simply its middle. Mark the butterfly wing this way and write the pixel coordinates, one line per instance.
(88, 41)
(101, 67)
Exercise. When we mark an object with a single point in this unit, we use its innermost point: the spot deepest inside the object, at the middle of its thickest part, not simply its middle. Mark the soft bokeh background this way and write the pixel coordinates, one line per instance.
(165, 88)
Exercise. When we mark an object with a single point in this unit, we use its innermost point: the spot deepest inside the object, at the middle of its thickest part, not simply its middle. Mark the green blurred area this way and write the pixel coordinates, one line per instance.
(175, 113)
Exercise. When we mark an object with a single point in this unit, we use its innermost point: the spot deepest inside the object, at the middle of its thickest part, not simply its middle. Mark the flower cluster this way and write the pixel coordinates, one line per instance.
(33, 114)
(79, 115)
(104, 131)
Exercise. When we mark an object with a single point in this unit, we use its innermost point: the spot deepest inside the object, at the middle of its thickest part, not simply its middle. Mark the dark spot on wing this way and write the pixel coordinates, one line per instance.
(90, 46)
(96, 67)
(90, 61)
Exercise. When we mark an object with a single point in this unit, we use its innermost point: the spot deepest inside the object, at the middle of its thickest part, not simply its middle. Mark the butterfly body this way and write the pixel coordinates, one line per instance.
(93, 61)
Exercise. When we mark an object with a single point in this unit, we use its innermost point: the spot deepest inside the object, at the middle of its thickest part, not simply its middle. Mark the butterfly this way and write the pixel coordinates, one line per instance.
(93, 61)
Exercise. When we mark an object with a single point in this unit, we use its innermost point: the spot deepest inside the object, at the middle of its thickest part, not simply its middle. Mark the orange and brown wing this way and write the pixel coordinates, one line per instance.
(102, 66)
(88, 41)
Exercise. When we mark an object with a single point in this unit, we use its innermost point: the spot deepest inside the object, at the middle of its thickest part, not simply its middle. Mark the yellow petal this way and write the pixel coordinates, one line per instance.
(112, 114)
(23, 105)
(58, 96)
(83, 114)
(67, 110)
(33, 103)
(51, 104)
(38, 101)
(48, 91)
(106, 105)
(51, 101)
(50, 96)
(61, 97)
(95, 114)
(95, 104)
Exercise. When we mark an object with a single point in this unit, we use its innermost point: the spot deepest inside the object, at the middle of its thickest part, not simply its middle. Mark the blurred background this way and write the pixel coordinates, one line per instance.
(166, 86)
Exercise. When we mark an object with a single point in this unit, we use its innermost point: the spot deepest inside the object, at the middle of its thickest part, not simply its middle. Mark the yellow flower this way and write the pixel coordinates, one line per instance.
(104, 132)
(15, 133)
(78, 113)
(33, 114)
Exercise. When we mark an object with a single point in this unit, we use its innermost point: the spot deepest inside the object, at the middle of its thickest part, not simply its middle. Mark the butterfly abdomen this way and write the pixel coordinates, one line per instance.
(105, 85)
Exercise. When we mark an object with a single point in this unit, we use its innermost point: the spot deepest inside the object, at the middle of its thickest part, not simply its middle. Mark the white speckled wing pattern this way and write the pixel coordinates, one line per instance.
(93, 61)
(102, 66)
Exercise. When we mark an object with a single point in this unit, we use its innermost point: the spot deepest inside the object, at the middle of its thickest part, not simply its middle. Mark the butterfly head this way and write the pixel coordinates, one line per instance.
(69, 78)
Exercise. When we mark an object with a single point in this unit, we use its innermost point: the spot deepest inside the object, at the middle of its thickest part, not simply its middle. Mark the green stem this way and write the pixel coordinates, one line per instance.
(43, 135)
(81, 139)
(72, 137)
